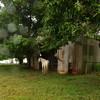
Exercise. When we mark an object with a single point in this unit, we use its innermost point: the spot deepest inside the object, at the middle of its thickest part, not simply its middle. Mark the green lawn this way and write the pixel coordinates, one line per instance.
(18, 83)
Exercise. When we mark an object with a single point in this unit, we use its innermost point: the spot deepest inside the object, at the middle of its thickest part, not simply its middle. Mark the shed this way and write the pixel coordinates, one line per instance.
(77, 58)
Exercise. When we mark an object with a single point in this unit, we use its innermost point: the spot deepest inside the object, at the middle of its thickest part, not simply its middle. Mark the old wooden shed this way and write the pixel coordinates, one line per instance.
(77, 58)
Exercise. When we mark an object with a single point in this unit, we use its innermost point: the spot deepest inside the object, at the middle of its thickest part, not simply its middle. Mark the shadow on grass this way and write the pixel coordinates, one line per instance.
(14, 69)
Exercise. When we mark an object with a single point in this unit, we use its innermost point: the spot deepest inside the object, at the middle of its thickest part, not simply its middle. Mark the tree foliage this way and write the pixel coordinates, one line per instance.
(66, 20)
(22, 23)
(48, 23)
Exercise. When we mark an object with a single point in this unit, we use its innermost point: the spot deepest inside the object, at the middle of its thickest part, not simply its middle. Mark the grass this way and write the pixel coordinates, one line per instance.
(18, 83)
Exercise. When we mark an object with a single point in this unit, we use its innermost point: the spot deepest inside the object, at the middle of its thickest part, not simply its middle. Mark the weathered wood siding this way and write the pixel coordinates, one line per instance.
(66, 56)
(78, 57)
(61, 54)
(97, 51)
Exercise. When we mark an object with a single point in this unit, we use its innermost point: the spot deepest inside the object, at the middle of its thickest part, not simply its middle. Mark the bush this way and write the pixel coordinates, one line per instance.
(96, 67)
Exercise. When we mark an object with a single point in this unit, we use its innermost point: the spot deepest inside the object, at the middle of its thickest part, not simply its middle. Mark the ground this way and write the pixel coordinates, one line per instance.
(19, 83)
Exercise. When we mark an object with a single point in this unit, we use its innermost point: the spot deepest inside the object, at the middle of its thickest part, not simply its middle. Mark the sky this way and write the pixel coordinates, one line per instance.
(1, 4)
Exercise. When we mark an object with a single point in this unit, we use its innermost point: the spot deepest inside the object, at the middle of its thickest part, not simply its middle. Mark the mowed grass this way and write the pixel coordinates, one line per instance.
(19, 83)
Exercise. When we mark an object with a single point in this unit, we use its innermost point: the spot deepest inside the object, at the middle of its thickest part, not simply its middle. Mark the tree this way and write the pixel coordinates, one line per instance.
(66, 20)
(4, 33)
(18, 45)
(26, 21)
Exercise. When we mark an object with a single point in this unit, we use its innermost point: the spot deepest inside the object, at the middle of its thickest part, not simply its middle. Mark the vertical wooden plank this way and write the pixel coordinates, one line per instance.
(79, 60)
(66, 58)
(61, 53)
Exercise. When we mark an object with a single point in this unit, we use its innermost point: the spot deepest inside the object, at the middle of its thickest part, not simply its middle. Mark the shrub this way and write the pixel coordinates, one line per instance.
(96, 67)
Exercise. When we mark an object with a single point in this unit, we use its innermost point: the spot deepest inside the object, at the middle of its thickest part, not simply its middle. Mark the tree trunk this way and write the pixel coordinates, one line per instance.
(29, 62)
(35, 63)
(20, 60)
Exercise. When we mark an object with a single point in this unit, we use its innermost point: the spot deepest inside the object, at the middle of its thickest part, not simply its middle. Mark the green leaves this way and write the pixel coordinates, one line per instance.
(65, 21)
(3, 33)
(57, 22)
(29, 42)
(17, 39)
(78, 5)
(21, 19)
(4, 51)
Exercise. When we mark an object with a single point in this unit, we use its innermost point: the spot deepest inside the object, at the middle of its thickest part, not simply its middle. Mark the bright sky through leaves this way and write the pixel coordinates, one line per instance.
(1, 4)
